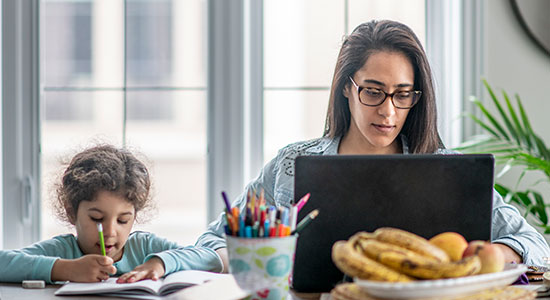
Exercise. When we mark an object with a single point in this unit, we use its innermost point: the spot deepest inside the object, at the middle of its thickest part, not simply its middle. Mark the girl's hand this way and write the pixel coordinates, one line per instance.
(151, 269)
(88, 268)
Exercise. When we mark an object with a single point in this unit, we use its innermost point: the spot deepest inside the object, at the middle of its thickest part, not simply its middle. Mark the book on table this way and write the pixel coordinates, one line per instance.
(144, 289)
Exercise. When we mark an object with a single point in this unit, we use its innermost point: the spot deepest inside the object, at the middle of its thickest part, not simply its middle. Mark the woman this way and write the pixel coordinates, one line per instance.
(381, 102)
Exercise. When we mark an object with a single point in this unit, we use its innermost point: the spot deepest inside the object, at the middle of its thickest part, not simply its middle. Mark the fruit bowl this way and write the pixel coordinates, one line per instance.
(442, 287)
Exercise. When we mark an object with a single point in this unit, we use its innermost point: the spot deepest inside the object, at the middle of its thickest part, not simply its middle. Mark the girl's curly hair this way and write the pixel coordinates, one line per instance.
(102, 167)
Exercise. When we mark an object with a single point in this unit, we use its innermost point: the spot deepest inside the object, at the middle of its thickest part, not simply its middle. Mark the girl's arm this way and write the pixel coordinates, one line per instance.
(19, 265)
(35, 261)
(151, 257)
(57, 259)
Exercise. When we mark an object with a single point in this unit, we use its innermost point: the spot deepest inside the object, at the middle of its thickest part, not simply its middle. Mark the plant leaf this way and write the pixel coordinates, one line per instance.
(493, 121)
(520, 136)
(540, 207)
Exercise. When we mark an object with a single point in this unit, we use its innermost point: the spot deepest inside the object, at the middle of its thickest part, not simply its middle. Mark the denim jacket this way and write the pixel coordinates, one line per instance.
(277, 181)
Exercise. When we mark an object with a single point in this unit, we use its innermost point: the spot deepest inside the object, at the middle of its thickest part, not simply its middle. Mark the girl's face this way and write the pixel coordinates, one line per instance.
(374, 129)
(115, 213)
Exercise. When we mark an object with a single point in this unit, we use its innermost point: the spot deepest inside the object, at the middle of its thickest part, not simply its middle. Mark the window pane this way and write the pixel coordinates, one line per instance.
(410, 12)
(176, 149)
(165, 43)
(65, 106)
(61, 139)
(301, 43)
(292, 116)
(82, 43)
(148, 34)
(149, 105)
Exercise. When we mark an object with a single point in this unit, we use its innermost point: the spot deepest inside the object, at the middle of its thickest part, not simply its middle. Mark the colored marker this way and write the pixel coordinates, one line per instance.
(101, 239)
(305, 221)
(226, 201)
(302, 201)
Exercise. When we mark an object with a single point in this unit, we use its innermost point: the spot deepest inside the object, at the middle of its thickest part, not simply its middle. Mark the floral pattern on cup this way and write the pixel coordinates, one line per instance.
(262, 266)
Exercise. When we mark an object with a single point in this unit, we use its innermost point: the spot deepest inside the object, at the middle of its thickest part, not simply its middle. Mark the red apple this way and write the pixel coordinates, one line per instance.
(492, 258)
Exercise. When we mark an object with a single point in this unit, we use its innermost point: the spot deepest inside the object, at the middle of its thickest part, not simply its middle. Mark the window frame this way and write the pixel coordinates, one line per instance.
(20, 121)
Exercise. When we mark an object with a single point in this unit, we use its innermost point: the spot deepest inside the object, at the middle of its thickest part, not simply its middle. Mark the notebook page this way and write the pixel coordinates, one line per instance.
(109, 285)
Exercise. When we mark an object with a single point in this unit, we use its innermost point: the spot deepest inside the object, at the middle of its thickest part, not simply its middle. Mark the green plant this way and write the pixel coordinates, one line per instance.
(514, 144)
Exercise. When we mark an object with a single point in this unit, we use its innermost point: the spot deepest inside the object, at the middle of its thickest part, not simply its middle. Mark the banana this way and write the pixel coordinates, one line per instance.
(410, 241)
(467, 266)
(402, 260)
(413, 264)
(353, 263)
(391, 254)
(360, 236)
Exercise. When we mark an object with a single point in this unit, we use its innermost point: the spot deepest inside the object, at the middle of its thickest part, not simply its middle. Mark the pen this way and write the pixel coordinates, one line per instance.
(101, 239)
(305, 221)
(302, 201)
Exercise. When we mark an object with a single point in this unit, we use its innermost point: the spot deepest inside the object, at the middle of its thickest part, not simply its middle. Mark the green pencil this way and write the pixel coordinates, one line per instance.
(305, 221)
(101, 239)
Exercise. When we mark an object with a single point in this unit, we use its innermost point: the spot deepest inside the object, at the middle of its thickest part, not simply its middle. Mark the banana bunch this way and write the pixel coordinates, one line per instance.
(391, 254)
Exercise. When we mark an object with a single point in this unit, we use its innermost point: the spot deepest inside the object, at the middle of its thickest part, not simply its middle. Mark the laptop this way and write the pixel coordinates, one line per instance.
(424, 194)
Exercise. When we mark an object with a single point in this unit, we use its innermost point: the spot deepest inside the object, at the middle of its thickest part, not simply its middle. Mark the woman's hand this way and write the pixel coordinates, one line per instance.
(88, 268)
(510, 255)
(151, 269)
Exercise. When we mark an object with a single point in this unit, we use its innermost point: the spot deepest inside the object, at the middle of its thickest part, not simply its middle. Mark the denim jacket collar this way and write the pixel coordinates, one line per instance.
(328, 146)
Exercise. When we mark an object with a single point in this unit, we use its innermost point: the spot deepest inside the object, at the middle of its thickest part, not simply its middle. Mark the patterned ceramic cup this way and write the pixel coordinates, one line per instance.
(262, 266)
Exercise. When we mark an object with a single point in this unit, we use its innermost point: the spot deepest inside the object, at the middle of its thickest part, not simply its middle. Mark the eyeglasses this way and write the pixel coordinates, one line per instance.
(375, 97)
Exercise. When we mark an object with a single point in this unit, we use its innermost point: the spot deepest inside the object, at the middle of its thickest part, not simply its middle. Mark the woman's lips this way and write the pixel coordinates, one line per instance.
(384, 128)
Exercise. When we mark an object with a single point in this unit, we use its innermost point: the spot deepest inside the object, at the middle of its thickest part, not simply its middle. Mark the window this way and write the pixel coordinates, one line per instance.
(139, 83)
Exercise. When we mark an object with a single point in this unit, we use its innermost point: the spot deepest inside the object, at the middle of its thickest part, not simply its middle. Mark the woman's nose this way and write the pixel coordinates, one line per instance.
(387, 108)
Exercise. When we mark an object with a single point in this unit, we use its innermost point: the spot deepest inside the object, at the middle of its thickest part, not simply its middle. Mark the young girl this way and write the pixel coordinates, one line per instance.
(109, 186)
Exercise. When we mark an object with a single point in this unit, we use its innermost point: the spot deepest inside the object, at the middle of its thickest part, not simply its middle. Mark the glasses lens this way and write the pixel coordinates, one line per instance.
(371, 96)
(404, 99)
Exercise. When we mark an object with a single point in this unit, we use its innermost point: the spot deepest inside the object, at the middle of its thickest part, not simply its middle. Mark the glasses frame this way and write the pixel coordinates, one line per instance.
(386, 95)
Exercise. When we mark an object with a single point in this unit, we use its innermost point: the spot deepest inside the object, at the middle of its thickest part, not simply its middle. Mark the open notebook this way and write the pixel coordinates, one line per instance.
(145, 289)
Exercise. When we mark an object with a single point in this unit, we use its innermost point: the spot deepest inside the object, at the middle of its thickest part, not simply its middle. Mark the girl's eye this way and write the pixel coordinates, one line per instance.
(122, 222)
(97, 220)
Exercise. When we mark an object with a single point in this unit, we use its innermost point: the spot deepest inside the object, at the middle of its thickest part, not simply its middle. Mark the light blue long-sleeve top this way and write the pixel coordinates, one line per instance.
(277, 181)
(36, 261)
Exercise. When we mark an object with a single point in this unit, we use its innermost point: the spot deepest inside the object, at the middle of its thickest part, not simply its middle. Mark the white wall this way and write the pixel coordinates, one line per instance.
(516, 64)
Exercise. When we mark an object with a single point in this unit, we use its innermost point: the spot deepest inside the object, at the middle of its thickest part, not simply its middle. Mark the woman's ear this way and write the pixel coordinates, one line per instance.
(345, 91)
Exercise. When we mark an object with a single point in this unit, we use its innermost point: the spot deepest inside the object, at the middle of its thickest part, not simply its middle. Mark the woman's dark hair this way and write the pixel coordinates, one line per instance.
(420, 128)
(102, 168)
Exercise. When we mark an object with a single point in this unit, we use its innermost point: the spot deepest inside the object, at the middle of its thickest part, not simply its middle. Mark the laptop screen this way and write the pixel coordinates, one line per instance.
(424, 194)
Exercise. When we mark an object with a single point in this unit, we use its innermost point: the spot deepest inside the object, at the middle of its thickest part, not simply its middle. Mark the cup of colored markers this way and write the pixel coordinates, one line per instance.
(261, 244)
